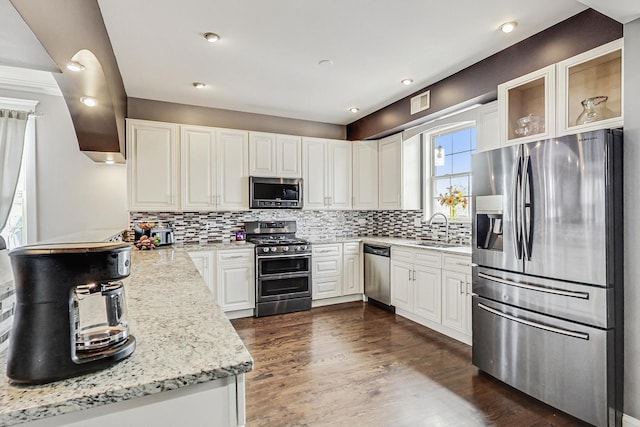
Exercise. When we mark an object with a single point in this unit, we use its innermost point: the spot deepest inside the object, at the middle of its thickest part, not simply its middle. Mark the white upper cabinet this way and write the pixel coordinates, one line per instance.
(262, 154)
(153, 173)
(199, 181)
(365, 175)
(326, 173)
(399, 180)
(214, 169)
(272, 155)
(488, 127)
(527, 107)
(233, 169)
(289, 156)
(596, 76)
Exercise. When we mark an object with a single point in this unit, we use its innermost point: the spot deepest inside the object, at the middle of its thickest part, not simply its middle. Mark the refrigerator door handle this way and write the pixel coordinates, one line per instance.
(544, 327)
(527, 209)
(517, 211)
(581, 295)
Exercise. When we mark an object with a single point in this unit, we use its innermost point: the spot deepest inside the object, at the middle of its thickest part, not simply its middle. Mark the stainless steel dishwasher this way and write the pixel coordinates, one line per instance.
(377, 275)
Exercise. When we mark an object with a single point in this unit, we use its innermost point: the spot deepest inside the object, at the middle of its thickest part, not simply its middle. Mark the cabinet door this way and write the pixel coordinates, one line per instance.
(314, 153)
(262, 154)
(488, 127)
(198, 148)
(202, 260)
(427, 292)
(351, 275)
(289, 156)
(469, 306)
(153, 165)
(235, 279)
(365, 175)
(454, 300)
(390, 151)
(402, 285)
(339, 175)
(326, 287)
(232, 173)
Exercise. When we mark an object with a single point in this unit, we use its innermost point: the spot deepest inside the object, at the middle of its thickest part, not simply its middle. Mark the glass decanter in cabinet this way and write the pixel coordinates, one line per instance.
(590, 92)
(527, 107)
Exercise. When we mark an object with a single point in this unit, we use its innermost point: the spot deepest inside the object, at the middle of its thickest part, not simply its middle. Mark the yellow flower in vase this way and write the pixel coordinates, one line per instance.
(452, 199)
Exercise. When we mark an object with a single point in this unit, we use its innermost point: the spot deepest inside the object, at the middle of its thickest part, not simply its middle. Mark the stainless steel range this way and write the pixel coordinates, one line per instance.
(283, 267)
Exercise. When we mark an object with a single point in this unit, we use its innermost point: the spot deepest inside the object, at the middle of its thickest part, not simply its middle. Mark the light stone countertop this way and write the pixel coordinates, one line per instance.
(413, 243)
(397, 241)
(183, 338)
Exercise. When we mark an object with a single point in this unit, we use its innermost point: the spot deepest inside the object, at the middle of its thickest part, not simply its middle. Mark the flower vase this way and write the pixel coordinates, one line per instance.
(452, 213)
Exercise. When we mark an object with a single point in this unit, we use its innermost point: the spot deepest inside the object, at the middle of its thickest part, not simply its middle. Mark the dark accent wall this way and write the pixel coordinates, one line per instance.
(65, 27)
(160, 111)
(478, 83)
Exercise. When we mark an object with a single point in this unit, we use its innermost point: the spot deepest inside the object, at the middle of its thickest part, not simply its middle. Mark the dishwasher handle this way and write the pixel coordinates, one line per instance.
(384, 251)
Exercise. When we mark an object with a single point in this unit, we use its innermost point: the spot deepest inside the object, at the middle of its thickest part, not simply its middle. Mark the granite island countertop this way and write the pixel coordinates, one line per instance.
(183, 338)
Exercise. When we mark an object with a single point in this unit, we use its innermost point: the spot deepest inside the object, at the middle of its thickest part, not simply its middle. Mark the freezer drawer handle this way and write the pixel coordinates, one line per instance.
(583, 295)
(560, 331)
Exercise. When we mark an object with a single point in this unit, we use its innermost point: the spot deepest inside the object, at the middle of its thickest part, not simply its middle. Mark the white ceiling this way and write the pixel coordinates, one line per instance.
(267, 59)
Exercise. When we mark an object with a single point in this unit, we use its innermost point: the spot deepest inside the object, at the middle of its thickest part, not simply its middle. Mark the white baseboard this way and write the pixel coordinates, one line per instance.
(629, 421)
(237, 314)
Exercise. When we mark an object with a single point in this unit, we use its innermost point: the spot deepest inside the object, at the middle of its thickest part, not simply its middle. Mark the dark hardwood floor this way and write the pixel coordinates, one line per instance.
(357, 365)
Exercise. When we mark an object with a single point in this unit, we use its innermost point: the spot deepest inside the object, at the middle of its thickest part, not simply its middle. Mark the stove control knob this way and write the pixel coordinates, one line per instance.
(303, 248)
(273, 249)
(285, 249)
(265, 249)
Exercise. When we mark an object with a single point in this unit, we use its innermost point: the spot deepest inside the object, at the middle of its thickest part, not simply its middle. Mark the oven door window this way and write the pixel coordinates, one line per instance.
(277, 265)
(287, 287)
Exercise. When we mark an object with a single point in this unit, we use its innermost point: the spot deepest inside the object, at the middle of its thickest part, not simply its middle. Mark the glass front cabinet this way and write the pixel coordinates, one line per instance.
(582, 93)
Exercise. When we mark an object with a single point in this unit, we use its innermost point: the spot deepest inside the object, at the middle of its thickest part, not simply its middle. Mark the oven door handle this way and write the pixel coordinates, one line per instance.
(284, 256)
(542, 326)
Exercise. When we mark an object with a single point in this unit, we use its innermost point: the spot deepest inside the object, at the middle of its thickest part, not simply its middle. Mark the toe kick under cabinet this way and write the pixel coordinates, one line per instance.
(433, 288)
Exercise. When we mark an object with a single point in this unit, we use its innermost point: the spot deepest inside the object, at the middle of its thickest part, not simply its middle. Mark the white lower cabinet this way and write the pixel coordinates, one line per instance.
(203, 261)
(434, 289)
(229, 274)
(415, 282)
(235, 280)
(337, 270)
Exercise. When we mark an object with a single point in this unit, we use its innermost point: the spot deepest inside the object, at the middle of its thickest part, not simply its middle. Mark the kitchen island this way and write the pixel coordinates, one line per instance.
(188, 367)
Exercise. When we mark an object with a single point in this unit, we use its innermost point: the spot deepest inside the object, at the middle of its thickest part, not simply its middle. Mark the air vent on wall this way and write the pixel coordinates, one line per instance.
(420, 102)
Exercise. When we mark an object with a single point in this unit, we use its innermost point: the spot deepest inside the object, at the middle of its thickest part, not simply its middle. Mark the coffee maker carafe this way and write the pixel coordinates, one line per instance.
(70, 316)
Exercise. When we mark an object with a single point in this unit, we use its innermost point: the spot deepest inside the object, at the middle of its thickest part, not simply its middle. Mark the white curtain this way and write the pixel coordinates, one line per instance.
(12, 128)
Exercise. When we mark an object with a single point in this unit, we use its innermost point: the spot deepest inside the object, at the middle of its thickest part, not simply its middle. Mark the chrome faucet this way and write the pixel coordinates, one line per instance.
(446, 224)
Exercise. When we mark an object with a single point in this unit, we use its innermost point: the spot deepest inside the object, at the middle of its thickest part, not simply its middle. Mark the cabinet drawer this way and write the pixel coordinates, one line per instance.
(327, 250)
(327, 267)
(351, 248)
(461, 263)
(399, 253)
(235, 256)
(428, 258)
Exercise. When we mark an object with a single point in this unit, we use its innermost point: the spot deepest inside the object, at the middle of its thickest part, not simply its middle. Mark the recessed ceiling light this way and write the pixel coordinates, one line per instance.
(75, 66)
(354, 109)
(211, 37)
(507, 27)
(89, 101)
(406, 82)
(198, 85)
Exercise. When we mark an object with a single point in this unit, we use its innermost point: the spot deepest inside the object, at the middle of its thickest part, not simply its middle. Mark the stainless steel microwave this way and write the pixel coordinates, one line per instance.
(275, 193)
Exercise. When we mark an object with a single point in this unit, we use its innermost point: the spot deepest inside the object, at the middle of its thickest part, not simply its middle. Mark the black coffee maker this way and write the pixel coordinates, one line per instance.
(70, 316)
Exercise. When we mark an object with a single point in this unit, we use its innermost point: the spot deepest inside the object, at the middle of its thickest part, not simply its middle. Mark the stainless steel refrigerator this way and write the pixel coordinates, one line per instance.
(548, 271)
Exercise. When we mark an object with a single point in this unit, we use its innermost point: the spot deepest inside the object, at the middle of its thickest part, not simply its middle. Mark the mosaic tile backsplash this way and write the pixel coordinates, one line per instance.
(211, 227)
